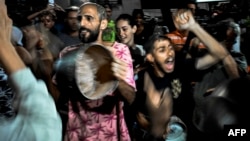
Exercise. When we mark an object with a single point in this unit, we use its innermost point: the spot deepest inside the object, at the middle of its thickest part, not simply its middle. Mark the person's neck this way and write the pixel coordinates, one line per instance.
(158, 72)
(109, 20)
(140, 28)
(73, 33)
(131, 44)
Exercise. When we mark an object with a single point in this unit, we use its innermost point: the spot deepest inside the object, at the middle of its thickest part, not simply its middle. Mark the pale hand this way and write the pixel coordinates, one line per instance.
(5, 24)
(183, 19)
(120, 69)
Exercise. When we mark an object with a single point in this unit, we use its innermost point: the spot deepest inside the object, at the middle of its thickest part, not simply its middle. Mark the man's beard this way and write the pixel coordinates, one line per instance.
(160, 67)
(93, 35)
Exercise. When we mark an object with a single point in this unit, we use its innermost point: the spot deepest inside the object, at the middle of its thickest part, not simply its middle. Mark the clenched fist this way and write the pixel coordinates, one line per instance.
(183, 19)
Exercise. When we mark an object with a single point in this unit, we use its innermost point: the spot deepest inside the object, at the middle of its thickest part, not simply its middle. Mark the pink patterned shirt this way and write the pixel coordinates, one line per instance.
(91, 125)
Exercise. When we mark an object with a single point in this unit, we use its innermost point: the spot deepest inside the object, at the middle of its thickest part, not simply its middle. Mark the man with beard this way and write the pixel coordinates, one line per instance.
(90, 119)
(164, 88)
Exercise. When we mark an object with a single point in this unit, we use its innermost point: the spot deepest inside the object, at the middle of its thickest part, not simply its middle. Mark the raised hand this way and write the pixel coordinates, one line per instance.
(183, 19)
(58, 8)
(10, 60)
(118, 66)
(5, 24)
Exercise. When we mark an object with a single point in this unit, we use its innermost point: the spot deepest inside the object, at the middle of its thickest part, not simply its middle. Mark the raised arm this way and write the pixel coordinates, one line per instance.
(36, 118)
(10, 60)
(183, 19)
(49, 7)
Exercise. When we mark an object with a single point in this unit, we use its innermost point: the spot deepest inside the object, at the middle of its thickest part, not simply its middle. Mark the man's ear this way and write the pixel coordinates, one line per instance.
(104, 24)
(150, 58)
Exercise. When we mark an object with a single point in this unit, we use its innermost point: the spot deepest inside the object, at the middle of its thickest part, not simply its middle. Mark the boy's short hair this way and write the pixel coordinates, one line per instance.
(149, 45)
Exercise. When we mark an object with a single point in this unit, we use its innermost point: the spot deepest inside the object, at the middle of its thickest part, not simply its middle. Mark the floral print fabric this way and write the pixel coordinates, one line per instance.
(88, 124)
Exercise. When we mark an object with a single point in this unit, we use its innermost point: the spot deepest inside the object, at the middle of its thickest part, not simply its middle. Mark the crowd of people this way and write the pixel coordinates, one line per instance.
(89, 77)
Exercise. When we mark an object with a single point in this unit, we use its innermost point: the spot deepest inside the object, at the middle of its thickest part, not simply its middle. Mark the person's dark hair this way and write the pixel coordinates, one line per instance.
(149, 45)
(138, 11)
(71, 8)
(126, 17)
(20, 20)
(48, 13)
(107, 5)
(222, 27)
(191, 2)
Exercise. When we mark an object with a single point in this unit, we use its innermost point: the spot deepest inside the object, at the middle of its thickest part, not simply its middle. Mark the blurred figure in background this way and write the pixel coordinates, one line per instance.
(144, 30)
(48, 19)
(37, 42)
(192, 6)
(109, 9)
(70, 33)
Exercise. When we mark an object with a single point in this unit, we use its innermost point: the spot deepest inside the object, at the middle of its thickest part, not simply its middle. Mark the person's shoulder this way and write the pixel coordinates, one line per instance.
(61, 35)
(138, 46)
(141, 48)
(172, 34)
(175, 32)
